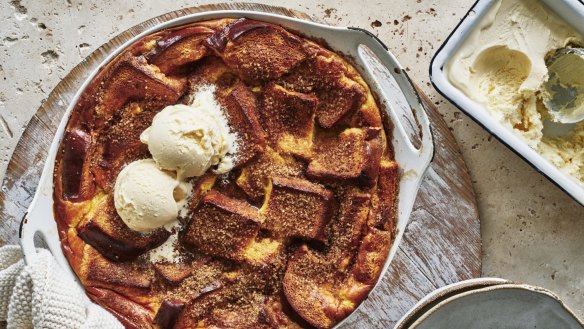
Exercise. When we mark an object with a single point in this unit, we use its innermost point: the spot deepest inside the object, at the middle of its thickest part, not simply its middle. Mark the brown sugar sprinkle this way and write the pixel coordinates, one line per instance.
(287, 112)
(279, 241)
(339, 156)
(328, 77)
(222, 226)
(244, 313)
(296, 208)
(347, 230)
(319, 72)
(254, 177)
(203, 276)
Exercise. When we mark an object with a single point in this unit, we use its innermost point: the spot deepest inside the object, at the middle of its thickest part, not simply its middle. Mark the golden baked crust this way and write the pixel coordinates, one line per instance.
(294, 237)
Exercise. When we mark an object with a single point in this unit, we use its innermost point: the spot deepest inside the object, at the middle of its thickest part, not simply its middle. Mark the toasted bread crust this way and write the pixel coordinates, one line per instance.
(294, 237)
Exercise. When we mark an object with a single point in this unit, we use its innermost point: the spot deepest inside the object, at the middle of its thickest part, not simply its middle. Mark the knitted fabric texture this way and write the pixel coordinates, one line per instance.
(40, 295)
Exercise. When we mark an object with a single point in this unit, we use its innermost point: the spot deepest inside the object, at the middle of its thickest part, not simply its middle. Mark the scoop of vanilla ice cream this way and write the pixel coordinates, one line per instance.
(189, 139)
(144, 196)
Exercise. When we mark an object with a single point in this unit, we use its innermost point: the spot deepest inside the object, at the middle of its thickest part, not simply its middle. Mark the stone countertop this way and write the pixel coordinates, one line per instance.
(532, 232)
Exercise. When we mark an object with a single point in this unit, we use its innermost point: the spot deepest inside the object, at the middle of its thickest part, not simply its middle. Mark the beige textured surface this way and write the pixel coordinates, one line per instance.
(532, 232)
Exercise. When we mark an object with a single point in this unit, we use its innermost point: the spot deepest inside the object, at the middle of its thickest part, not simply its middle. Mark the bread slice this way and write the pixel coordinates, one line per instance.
(278, 313)
(339, 102)
(212, 71)
(288, 118)
(173, 273)
(296, 208)
(347, 230)
(257, 51)
(349, 156)
(265, 263)
(245, 313)
(177, 49)
(254, 177)
(327, 76)
(307, 285)
(132, 78)
(383, 213)
(240, 106)
(222, 226)
(168, 313)
(371, 256)
(321, 71)
(130, 278)
(75, 166)
(120, 144)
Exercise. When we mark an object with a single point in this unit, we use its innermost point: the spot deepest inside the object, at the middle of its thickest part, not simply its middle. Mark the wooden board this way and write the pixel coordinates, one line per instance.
(441, 245)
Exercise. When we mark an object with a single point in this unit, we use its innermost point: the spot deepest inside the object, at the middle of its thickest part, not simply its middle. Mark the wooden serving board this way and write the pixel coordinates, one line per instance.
(441, 245)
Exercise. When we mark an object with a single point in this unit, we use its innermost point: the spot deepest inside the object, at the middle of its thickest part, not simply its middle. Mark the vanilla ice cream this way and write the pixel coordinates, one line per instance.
(190, 139)
(502, 65)
(146, 197)
(566, 152)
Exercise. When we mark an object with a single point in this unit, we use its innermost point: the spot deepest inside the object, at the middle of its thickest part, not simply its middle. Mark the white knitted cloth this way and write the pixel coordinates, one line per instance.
(40, 295)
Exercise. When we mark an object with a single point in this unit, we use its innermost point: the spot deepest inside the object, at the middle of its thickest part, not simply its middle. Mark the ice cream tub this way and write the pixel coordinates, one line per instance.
(494, 67)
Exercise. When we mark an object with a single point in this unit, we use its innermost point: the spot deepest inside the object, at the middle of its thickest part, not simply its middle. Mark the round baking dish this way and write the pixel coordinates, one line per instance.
(378, 67)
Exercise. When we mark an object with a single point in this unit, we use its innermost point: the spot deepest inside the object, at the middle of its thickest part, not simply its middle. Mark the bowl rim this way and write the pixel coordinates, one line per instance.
(443, 293)
(509, 286)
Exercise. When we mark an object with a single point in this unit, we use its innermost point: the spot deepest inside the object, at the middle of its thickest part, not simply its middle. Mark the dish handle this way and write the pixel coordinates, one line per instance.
(400, 98)
(38, 223)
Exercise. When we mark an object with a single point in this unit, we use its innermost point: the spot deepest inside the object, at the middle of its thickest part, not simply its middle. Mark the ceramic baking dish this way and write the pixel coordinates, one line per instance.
(573, 13)
(384, 75)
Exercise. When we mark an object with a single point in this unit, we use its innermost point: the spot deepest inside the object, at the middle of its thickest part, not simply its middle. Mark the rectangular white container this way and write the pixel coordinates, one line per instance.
(572, 11)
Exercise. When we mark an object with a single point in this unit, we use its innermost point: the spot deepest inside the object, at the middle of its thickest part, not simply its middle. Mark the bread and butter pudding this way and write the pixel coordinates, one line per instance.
(227, 174)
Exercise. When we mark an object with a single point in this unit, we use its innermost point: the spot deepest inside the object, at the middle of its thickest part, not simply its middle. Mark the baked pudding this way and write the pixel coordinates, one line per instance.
(227, 174)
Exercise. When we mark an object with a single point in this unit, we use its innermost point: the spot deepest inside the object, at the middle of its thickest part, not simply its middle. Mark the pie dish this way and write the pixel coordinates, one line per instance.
(265, 274)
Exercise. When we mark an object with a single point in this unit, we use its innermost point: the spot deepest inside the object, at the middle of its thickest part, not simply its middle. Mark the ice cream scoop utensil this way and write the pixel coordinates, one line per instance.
(563, 92)
(557, 129)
